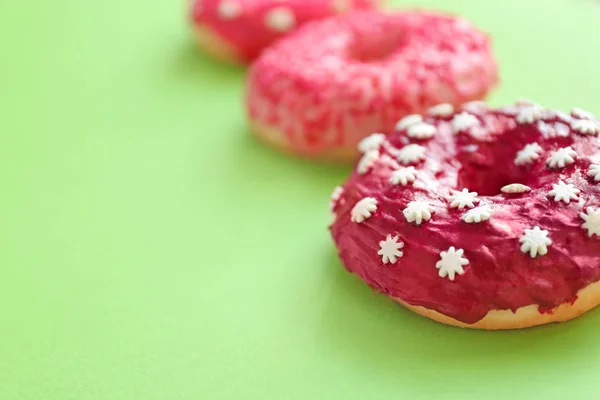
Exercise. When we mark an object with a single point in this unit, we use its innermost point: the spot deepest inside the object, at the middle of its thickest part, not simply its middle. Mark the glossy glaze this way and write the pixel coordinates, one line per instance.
(499, 276)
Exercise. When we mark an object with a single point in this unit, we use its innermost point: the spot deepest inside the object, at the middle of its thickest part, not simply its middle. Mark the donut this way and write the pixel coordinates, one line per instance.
(478, 217)
(319, 91)
(238, 30)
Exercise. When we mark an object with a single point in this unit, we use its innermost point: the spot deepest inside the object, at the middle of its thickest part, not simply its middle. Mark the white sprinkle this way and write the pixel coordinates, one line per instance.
(581, 114)
(563, 116)
(441, 110)
(421, 131)
(463, 122)
(561, 129)
(478, 214)
(585, 127)
(553, 129)
(280, 19)
(451, 263)
(363, 210)
(371, 142)
(417, 212)
(594, 171)
(515, 188)
(522, 101)
(411, 153)
(561, 158)
(548, 114)
(564, 192)
(367, 161)
(474, 106)
(592, 221)
(389, 249)
(535, 242)
(408, 121)
(511, 111)
(335, 197)
(545, 129)
(229, 9)
(463, 199)
(530, 114)
(528, 154)
(404, 176)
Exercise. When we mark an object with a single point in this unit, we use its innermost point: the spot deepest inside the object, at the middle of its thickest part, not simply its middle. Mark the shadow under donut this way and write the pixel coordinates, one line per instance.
(360, 326)
(191, 62)
(262, 163)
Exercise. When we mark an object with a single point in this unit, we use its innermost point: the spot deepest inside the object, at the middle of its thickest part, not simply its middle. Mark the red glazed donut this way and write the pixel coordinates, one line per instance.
(480, 218)
(238, 30)
(319, 91)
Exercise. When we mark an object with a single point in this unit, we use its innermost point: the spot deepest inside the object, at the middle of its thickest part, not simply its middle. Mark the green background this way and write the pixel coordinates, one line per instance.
(150, 249)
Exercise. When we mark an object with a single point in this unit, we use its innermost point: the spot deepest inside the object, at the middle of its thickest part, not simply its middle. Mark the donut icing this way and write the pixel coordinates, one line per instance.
(249, 26)
(500, 212)
(331, 83)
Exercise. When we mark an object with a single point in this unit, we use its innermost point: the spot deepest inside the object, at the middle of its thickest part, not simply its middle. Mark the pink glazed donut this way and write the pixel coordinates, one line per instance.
(478, 217)
(319, 91)
(238, 30)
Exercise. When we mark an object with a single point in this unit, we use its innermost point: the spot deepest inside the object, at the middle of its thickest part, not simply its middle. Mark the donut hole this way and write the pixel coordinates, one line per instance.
(488, 166)
(488, 176)
(488, 184)
(374, 48)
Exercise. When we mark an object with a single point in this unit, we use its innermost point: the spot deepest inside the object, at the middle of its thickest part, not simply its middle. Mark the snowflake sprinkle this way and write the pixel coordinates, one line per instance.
(371, 142)
(530, 114)
(451, 263)
(515, 188)
(421, 131)
(463, 199)
(464, 121)
(563, 116)
(417, 212)
(564, 192)
(335, 197)
(530, 153)
(367, 161)
(404, 176)
(552, 114)
(535, 242)
(523, 101)
(585, 127)
(411, 153)
(478, 214)
(229, 9)
(408, 121)
(592, 221)
(363, 209)
(474, 106)
(594, 171)
(441, 110)
(561, 157)
(389, 249)
(581, 114)
(280, 19)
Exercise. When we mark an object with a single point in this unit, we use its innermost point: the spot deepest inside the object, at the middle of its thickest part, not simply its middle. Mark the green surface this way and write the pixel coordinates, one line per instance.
(149, 249)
